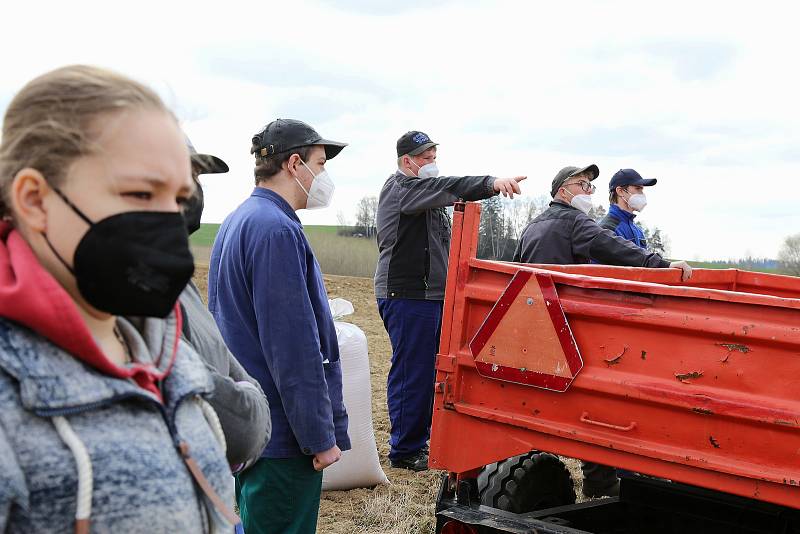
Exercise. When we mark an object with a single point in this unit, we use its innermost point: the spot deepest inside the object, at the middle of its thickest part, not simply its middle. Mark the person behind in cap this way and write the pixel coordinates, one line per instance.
(237, 398)
(564, 234)
(413, 243)
(626, 196)
(266, 293)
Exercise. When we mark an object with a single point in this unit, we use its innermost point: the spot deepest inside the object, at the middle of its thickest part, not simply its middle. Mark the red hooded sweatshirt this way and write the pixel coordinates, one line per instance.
(30, 296)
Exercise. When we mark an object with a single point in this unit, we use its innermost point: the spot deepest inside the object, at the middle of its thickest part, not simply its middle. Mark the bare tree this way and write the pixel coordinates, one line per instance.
(366, 215)
(789, 255)
(519, 212)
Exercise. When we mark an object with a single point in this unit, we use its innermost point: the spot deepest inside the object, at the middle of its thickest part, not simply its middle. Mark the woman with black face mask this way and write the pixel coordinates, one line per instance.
(102, 411)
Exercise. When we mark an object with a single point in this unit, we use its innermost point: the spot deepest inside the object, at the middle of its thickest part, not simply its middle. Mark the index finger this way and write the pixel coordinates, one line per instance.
(520, 178)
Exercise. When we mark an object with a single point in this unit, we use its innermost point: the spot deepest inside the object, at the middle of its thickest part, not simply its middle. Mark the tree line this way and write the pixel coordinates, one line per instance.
(503, 220)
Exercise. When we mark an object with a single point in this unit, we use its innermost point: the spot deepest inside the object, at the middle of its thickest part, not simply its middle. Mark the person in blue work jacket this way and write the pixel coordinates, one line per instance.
(266, 293)
(626, 196)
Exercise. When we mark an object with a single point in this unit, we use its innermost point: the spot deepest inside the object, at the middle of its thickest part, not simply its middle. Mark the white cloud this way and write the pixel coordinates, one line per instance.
(700, 95)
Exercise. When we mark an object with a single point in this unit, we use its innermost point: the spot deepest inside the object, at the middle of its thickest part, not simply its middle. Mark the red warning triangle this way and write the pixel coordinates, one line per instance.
(526, 338)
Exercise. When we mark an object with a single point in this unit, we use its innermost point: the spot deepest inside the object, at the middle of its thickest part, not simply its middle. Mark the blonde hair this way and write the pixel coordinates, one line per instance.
(51, 121)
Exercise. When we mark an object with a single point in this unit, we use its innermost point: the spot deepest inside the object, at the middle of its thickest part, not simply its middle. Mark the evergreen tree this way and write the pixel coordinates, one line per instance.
(491, 228)
(597, 212)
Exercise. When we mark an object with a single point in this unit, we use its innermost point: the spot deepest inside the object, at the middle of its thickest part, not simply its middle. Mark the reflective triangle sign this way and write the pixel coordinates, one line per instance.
(526, 339)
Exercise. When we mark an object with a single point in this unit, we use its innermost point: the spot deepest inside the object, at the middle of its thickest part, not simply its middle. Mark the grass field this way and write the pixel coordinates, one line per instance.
(336, 254)
(714, 265)
(204, 237)
(358, 256)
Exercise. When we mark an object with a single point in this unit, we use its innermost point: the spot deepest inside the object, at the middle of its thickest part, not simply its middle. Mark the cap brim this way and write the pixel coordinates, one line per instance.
(209, 164)
(647, 182)
(422, 148)
(332, 148)
(593, 168)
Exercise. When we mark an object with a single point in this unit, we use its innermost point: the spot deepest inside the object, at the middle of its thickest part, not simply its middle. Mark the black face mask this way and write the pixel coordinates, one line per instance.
(193, 210)
(132, 263)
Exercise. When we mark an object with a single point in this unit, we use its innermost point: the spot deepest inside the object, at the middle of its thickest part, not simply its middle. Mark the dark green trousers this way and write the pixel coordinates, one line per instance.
(279, 496)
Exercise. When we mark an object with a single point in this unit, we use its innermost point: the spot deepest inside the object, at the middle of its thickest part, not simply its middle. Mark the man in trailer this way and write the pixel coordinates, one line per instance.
(564, 234)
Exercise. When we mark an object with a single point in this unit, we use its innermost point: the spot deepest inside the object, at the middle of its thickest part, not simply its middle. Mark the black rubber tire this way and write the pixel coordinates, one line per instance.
(525, 483)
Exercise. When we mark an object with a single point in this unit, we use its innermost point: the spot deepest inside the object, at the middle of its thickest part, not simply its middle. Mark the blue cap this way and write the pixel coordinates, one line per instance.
(625, 177)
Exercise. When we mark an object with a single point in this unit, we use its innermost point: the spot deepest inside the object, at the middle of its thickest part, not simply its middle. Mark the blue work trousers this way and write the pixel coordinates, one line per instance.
(414, 327)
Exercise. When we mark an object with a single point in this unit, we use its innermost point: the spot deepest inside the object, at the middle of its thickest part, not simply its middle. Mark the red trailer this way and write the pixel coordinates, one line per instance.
(692, 384)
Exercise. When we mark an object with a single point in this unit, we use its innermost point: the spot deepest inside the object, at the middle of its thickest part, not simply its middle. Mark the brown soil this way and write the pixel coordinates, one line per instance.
(406, 504)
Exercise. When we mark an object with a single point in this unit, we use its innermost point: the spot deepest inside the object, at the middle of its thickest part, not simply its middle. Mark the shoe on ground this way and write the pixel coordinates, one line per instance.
(416, 462)
(594, 491)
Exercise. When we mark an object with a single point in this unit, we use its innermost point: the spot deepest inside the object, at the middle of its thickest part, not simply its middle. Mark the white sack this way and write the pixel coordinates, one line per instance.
(359, 467)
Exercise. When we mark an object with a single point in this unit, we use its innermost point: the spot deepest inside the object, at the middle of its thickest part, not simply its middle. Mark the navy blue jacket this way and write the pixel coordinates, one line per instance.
(266, 293)
(621, 223)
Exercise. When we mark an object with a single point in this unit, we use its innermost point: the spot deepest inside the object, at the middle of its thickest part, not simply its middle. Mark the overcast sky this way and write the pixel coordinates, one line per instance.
(701, 95)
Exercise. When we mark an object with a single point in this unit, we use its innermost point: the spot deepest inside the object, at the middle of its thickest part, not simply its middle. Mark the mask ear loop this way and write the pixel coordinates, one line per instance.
(57, 255)
(74, 208)
(298, 181)
(414, 162)
(80, 214)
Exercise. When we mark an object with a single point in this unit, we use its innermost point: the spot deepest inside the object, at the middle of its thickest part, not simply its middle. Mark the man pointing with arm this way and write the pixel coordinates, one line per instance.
(414, 242)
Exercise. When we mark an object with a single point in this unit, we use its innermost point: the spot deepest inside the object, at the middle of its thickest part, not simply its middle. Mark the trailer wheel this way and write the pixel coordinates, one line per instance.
(528, 482)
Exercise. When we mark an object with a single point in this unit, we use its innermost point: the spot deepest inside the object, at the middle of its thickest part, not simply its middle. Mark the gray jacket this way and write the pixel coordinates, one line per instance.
(414, 232)
(564, 235)
(53, 408)
(237, 397)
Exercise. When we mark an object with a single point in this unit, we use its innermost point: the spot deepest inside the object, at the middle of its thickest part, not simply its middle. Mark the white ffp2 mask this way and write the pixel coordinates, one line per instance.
(637, 202)
(429, 170)
(321, 192)
(582, 202)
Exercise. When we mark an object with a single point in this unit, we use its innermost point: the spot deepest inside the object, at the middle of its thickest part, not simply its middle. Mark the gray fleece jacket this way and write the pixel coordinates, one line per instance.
(237, 397)
(71, 437)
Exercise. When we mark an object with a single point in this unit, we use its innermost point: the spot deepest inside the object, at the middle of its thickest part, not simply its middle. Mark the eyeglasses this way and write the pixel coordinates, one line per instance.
(586, 187)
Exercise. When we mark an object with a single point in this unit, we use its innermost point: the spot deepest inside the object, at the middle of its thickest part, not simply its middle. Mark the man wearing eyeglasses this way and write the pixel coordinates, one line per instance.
(564, 234)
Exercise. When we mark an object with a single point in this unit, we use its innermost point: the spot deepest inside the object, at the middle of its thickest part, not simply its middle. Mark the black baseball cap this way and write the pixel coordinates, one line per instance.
(568, 172)
(206, 163)
(282, 135)
(625, 177)
(413, 143)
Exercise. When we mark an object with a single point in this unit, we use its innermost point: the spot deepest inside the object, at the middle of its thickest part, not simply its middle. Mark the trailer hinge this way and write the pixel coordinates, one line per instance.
(446, 363)
(445, 388)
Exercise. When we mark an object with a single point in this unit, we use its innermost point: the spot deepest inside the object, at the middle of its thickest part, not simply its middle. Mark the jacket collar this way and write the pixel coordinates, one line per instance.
(278, 200)
(559, 204)
(620, 213)
(52, 381)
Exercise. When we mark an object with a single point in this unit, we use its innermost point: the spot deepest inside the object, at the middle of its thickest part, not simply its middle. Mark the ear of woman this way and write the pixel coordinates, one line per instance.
(28, 192)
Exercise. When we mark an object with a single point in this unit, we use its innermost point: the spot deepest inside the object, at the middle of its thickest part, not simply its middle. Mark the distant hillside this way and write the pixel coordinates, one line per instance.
(336, 254)
(204, 237)
(764, 265)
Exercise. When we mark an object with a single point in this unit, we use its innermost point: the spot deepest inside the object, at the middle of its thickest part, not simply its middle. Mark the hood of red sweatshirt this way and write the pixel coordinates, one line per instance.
(30, 296)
